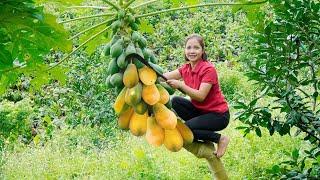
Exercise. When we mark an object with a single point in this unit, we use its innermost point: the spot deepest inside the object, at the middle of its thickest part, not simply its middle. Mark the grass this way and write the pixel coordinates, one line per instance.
(75, 153)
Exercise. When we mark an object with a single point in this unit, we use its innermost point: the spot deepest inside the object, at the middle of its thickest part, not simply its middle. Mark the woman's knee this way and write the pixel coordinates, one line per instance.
(176, 101)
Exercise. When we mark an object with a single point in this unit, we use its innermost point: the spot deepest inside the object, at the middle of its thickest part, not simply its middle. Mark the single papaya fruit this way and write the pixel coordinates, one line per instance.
(121, 61)
(141, 107)
(124, 118)
(133, 95)
(138, 124)
(147, 75)
(113, 67)
(155, 133)
(130, 76)
(164, 95)
(116, 79)
(173, 140)
(120, 105)
(185, 132)
(150, 94)
(164, 116)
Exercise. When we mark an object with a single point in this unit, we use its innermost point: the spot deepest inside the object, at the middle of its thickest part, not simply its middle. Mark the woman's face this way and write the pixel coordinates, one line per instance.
(193, 50)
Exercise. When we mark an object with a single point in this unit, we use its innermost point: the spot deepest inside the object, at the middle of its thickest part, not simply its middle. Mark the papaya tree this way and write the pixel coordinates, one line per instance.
(284, 62)
(142, 104)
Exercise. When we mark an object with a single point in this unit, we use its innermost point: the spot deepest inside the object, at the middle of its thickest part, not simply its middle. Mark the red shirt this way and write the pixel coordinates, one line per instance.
(204, 72)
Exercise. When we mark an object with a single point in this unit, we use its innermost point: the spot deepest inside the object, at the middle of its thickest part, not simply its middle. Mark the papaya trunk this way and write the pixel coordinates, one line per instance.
(205, 150)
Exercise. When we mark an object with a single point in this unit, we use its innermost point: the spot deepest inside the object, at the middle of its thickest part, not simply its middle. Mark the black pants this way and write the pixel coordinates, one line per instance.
(203, 125)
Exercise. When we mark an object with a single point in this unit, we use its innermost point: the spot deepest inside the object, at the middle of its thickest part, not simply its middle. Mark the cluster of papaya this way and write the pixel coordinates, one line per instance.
(143, 102)
(143, 106)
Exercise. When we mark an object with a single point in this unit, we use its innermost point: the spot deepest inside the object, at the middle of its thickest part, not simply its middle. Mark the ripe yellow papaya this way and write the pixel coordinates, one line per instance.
(124, 119)
(130, 76)
(120, 105)
(133, 95)
(185, 132)
(155, 133)
(141, 107)
(172, 140)
(164, 116)
(164, 95)
(147, 75)
(150, 94)
(138, 124)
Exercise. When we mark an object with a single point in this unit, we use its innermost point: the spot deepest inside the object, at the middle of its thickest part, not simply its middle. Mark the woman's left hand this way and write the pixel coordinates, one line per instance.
(175, 83)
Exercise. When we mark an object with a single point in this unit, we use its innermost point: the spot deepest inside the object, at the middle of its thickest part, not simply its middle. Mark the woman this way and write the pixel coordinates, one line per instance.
(207, 112)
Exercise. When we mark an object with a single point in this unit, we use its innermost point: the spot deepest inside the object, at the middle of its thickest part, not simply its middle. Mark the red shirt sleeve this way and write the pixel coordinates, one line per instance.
(209, 75)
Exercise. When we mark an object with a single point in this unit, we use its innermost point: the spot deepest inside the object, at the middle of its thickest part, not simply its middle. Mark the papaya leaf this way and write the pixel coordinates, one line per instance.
(145, 27)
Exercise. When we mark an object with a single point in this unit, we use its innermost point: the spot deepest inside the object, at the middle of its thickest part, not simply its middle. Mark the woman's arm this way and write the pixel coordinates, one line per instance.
(198, 95)
(172, 74)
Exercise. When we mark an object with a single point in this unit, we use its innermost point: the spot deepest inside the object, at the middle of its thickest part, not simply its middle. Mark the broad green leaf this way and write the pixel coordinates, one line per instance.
(145, 27)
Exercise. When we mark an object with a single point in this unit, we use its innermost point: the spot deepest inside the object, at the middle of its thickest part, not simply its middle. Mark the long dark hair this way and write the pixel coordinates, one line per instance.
(201, 42)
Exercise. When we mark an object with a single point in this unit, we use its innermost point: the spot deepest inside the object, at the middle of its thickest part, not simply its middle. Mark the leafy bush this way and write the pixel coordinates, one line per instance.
(15, 122)
(284, 61)
(234, 84)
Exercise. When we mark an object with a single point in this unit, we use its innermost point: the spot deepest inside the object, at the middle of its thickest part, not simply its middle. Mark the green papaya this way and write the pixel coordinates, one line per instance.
(156, 67)
(130, 19)
(146, 53)
(114, 39)
(142, 42)
(138, 63)
(116, 49)
(168, 88)
(108, 83)
(141, 107)
(135, 36)
(139, 52)
(133, 95)
(106, 50)
(134, 26)
(121, 14)
(169, 104)
(121, 61)
(153, 59)
(116, 79)
(130, 49)
(113, 67)
(116, 25)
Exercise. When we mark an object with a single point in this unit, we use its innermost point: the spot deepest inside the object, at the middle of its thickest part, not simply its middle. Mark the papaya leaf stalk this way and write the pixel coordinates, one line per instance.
(144, 4)
(80, 46)
(199, 5)
(90, 28)
(87, 17)
(112, 5)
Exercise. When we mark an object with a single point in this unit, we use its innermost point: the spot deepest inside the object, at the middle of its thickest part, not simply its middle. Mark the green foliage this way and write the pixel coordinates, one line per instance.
(27, 34)
(284, 62)
(15, 122)
(85, 152)
(234, 84)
